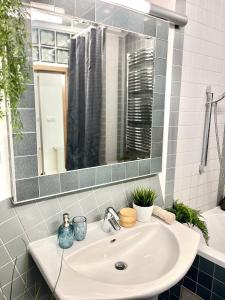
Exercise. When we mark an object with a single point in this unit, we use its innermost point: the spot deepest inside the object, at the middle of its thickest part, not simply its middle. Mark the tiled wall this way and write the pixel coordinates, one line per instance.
(203, 64)
(204, 278)
(174, 108)
(38, 220)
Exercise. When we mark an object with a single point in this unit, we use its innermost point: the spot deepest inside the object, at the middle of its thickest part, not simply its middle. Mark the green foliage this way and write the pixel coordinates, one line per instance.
(144, 196)
(186, 214)
(14, 67)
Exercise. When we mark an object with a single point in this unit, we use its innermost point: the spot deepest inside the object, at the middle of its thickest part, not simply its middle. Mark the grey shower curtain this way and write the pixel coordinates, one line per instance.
(85, 100)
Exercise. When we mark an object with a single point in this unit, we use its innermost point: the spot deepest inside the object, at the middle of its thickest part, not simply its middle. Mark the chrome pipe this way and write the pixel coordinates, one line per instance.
(208, 114)
(221, 97)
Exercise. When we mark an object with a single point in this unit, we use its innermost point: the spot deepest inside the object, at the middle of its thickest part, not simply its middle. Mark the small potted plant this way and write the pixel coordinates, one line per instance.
(143, 199)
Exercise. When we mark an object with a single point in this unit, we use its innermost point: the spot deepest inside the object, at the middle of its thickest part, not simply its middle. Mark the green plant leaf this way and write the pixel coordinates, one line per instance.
(144, 197)
(193, 217)
(14, 66)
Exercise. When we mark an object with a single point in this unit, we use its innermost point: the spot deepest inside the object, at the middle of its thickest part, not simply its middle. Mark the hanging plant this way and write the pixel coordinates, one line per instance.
(14, 66)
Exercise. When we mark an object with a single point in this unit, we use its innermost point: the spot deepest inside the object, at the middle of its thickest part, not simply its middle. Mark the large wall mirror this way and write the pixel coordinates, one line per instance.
(93, 93)
(98, 100)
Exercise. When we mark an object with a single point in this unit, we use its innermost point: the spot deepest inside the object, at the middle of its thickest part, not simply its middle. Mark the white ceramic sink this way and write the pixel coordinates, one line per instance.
(156, 257)
(145, 250)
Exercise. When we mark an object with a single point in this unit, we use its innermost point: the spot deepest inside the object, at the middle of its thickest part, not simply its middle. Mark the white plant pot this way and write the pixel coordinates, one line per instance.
(143, 213)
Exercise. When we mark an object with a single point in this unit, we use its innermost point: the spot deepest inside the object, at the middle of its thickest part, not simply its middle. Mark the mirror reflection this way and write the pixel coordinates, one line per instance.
(93, 93)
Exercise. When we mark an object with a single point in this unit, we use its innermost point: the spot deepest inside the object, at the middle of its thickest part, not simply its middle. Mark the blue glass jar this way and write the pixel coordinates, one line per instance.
(80, 228)
(65, 233)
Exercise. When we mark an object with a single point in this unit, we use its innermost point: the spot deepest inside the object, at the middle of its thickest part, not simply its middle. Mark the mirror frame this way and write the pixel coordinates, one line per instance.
(27, 185)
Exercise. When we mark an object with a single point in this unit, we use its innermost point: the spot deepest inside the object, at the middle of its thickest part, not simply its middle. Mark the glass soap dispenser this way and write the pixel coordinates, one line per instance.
(65, 233)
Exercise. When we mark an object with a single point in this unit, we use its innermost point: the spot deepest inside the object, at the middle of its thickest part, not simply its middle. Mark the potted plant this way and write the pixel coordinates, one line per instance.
(192, 217)
(143, 199)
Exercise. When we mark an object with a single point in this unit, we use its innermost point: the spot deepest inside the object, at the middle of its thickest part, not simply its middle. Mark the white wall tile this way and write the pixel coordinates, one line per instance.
(203, 64)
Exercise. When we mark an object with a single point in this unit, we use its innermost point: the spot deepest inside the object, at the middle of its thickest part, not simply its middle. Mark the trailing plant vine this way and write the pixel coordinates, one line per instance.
(14, 66)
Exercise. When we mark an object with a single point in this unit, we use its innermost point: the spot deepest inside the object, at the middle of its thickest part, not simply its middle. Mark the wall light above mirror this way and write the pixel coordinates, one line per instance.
(94, 112)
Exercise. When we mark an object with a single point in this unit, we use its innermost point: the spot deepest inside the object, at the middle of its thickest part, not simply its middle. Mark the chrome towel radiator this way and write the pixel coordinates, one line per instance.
(140, 72)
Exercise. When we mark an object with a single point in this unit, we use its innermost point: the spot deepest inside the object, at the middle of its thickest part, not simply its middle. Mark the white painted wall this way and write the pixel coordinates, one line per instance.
(203, 64)
(5, 189)
(111, 57)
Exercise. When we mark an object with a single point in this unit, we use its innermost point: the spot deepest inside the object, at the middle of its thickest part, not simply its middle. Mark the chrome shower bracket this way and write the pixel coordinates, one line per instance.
(208, 114)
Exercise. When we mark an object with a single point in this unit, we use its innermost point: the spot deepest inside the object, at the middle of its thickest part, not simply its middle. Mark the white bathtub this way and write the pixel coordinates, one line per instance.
(215, 252)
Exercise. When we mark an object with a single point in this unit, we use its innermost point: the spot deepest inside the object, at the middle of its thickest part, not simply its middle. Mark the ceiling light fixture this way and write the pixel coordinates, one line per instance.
(40, 16)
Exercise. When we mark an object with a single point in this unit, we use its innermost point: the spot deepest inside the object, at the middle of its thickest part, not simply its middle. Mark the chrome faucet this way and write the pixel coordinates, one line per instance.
(111, 220)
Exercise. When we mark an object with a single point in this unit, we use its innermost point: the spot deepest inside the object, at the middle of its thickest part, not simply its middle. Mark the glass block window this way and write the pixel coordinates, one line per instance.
(62, 39)
(47, 37)
(48, 55)
(35, 53)
(62, 56)
(35, 38)
(50, 46)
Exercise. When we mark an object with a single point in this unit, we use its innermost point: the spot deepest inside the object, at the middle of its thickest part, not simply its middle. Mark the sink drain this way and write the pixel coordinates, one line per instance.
(120, 265)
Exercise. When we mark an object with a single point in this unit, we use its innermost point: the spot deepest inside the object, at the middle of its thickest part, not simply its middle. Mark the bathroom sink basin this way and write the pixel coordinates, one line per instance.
(150, 250)
(135, 263)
